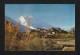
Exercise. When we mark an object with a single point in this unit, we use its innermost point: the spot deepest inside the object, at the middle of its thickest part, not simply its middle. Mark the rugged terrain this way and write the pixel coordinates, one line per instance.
(54, 39)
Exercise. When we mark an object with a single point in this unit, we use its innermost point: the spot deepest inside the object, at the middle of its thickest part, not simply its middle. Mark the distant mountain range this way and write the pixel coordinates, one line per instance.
(23, 21)
(11, 20)
(22, 28)
(34, 23)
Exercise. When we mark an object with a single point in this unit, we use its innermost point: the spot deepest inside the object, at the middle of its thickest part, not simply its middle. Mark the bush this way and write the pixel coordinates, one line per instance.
(69, 35)
(49, 43)
(35, 44)
(57, 46)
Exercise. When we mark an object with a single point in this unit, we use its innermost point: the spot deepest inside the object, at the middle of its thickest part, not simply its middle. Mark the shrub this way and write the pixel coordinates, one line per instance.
(35, 44)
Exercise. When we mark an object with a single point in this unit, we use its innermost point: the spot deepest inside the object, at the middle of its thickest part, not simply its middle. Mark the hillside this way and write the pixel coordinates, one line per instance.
(36, 40)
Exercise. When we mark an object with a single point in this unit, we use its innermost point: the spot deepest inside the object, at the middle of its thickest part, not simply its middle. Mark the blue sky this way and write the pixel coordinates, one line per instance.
(57, 15)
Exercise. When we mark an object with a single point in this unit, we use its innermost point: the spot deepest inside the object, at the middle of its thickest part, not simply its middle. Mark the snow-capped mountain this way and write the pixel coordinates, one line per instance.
(34, 23)
(21, 28)
(37, 23)
(24, 23)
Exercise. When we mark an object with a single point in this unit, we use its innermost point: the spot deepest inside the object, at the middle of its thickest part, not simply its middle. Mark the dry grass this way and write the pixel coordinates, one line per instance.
(68, 49)
(33, 42)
